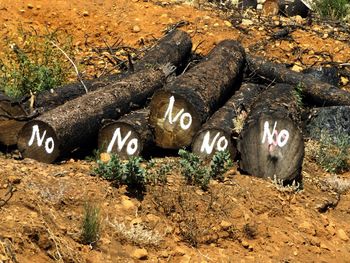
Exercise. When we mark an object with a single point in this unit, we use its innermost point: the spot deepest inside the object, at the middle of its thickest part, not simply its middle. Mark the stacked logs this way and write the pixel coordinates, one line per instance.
(206, 107)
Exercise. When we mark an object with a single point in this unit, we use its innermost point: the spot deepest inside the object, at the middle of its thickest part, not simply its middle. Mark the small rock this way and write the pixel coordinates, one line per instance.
(85, 13)
(216, 25)
(225, 224)
(342, 235)
(140, 253)
(297, 68)
(307, 228)
(247, 22)
(245, 244)
(30, 6)
(228, 23)
(14, 179)
(179, 252)
(152, 218)
(105, 157)
(22, 11)
(136, 29)
(127, 204)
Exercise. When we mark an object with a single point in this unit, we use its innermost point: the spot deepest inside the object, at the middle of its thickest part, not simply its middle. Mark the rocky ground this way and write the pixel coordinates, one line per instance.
(244, 219)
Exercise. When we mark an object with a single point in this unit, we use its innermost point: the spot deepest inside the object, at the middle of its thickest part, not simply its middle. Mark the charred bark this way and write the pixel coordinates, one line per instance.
(127, 136)
(178, 110)
(314, 91)
(271, 143)
(77, 122)
(174, 48)
(220, 132)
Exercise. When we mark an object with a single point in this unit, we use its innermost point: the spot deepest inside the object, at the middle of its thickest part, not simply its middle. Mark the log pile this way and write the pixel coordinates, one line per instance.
(200, 108)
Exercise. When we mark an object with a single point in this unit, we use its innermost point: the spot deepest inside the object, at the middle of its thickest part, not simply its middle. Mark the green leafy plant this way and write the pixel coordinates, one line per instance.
(220, 164)
(194, 170)
(32, 63)
(113, 170)
(334, 154)
(91, 224)
(298, 94)
(155, 175)
(332, 9)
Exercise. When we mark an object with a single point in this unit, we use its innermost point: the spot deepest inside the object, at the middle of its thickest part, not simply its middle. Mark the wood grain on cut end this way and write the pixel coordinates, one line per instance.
(208, 141)
(121, 139)
(37, 140)
(281, 157)
(173, 119)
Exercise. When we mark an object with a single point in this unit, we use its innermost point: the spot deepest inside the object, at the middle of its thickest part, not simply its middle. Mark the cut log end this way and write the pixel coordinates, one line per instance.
(37, 140)
(174, 120)
(272, 146)
(121, 139)
(209, 141)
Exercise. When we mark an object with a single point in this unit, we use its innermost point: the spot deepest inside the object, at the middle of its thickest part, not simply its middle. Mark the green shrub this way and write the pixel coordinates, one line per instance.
(113, 170)
(91, 224)
(33, 64)
(220, 164)
(332, 9)
(334, 154)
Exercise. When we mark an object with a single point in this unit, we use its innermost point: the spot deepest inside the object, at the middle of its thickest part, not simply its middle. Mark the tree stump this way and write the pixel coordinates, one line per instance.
(127, 136)
(271, 143)
(314, 91)
(219, 133)
(178, 110)
(77, 122)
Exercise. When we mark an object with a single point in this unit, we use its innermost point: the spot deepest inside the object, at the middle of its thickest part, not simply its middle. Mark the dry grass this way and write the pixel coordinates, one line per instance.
(338, 184)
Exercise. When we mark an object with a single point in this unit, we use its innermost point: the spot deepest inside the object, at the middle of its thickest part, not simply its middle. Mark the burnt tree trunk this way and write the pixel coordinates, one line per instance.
(271, 143)
(335, 121)
(12, 119)
(219, 133)
(127, 136)
(174, 48)
(314, 91)
(77, 121)
(178, 110)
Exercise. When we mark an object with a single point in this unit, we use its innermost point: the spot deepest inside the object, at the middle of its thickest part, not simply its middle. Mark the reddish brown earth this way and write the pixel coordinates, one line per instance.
(243, 219)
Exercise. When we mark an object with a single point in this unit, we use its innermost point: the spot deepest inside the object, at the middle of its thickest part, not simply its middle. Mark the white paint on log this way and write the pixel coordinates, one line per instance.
(49, 142)
(169, 115)
(131, 147)
(208, 147)
(274, 137)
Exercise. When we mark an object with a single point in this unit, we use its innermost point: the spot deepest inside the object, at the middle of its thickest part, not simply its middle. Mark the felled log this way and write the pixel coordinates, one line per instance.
(313, 91)
(77, 122)
(219, 133)
(10, 125)
(329, 75)
(271, 143)
(127, 136)
(335, 121)
(178, 110)
(173, 48)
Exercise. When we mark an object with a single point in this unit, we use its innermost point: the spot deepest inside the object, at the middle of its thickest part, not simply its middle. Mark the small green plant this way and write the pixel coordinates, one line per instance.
(220, 164)
(155, 175)
(113, 170)
(332, 9)
(134, 174)
(194, 170)
(334, 154)
(33, 64)
(91, 224)
(298, 94)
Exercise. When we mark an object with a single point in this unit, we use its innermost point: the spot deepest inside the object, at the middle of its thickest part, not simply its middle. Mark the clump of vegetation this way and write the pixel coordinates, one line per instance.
(332, 9)
(157, 175)
(32, 63)
(197, 172)
(91, 224)
(128, 173)
(334, 154)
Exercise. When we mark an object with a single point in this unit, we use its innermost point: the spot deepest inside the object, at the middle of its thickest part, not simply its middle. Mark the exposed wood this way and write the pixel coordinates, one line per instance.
(127, 136)
(314, 91)
(219, 133)
(178, 110)
(77, 122)
(333, 120)
(271, 143)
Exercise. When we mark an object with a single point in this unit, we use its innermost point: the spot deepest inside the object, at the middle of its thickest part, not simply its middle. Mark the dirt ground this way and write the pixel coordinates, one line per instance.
(243, 219)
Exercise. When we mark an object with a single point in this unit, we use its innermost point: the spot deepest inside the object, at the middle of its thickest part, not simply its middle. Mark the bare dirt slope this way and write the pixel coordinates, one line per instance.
(243, 219)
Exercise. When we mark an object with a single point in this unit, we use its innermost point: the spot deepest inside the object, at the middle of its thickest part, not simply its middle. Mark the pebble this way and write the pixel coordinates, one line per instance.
(225, 224)
(227, 23)
(140, 253)
(246, 22)
(342, 235)
(30, 6)
(307, 228)
(136, 29)
(85, 13)
(297, 68)
(127, 204)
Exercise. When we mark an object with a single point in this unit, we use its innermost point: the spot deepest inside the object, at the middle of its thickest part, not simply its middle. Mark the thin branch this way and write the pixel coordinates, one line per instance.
(71, 61)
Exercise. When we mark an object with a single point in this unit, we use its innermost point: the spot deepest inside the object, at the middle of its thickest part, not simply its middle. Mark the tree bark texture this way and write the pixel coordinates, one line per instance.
(271, 143)
(178, 110)
(127, 136)
(77, 122)
(314, 91)
(220, 132)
